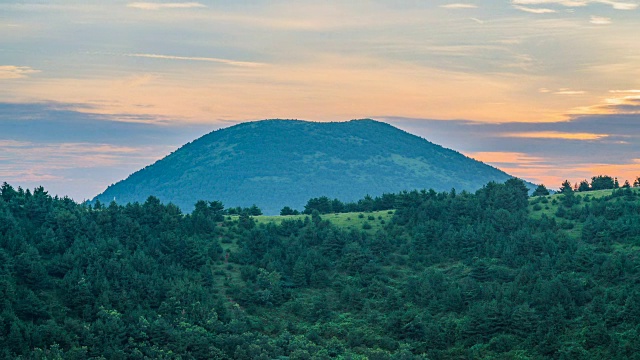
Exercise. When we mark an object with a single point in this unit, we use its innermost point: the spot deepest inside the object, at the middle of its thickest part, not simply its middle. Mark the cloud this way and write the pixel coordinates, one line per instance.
(62, 167)
(546, 153)
(16, 72)
(158, 6)
(556, 135)
(534, 10)
(599, 20)
(630, 91)
(78, 153)
(578, 3)
(459, 6)
(196, 58)
(503, 157)
(620, 5)
(569, 92)
(59, 122)
(625, 104)
(138, 80)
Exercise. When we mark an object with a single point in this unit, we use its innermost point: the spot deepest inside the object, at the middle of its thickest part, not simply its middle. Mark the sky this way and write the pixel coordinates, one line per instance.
(91, 91)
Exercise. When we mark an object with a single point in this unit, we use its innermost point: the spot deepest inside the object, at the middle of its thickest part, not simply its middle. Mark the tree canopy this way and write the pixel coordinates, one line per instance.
(489, 274)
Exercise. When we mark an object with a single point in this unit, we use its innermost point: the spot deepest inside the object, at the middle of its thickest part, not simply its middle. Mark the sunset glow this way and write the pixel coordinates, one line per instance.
(548, 83)
(557, 135)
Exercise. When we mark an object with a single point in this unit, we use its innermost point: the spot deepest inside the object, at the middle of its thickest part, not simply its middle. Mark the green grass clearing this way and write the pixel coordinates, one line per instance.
(349, 221)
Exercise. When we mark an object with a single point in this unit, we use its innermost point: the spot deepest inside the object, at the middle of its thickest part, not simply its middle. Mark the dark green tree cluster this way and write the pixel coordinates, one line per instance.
(288, 211)
(121, 282)
(253, 210)
(452, 275)
(541, 190)
(324, 205)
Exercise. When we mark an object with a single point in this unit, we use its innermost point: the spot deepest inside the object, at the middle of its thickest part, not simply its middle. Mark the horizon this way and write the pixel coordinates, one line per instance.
(550, 187)
(545, 90)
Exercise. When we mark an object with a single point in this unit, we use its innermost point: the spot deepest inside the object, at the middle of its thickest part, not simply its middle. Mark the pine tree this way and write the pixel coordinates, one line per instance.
(566, 187)
(541, 190)
(584, 186)
(300, 274)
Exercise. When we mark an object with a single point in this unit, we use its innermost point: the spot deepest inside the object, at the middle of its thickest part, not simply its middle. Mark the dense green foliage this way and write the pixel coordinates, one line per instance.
(324, 205)
(276, 163)
(450, 275)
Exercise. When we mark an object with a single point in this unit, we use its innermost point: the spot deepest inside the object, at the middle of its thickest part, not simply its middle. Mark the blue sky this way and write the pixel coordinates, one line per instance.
(93, 90)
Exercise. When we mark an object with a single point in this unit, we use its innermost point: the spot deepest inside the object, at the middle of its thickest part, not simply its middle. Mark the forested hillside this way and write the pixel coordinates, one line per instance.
(273, 163)
(448, 275)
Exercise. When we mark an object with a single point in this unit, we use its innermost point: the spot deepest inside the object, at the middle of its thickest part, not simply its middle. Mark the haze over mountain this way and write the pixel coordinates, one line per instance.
(276, 163)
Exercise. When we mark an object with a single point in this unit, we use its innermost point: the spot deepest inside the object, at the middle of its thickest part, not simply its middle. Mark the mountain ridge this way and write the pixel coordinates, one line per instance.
(275, 163)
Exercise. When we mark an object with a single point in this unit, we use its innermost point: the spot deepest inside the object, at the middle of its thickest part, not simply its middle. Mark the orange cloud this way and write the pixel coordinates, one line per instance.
(556, 135)
(504, 157)
(159, 6)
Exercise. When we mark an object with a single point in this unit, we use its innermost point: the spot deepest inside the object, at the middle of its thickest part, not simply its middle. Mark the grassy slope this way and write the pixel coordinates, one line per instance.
(355, 221)
(349, 221)
(549, 206)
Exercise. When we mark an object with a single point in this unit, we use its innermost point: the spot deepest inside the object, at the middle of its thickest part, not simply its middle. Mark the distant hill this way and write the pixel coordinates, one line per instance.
(273, 163)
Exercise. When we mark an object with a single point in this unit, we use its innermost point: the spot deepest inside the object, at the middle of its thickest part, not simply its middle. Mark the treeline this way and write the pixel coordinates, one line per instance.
(324, 205)
(452, 275)
(388, 201)
(600, 182)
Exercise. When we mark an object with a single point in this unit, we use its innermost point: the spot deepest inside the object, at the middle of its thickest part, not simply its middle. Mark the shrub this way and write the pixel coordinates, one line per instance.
(366, 226)
(566, 225)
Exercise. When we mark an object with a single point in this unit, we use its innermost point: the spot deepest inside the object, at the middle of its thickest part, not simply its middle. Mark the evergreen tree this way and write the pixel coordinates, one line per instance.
(566, 188)
(602, 182)
(541, 190)
(288, 211)
(584, 186)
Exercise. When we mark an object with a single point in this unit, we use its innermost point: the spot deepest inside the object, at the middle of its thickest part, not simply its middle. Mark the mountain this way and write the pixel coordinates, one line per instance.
(274, 163)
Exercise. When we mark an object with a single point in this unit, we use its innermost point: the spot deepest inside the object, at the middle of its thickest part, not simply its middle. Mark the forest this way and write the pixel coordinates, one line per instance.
(273, 163)
(494, 274)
